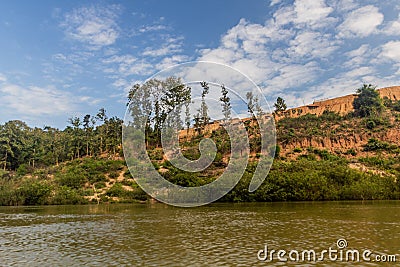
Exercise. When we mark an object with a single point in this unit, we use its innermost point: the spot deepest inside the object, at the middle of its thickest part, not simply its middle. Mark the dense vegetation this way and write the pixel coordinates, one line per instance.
(22, 147)
(83, 163)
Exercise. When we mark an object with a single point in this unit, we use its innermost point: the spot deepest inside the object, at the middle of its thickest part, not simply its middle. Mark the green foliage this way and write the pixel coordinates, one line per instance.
(370, 124)
(392, 104)
(65, 195)
(116, 191)
(277, 151)
(351, 151)
(305, 180)
(367, 103)
(34, 192)
(377, 145)
(113, 174)
(100, 185)
(24, 169)
(35, 147)
(73, 178)
(280, 105)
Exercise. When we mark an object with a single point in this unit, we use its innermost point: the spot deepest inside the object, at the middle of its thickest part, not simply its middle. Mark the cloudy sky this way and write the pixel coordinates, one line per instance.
(68, 58)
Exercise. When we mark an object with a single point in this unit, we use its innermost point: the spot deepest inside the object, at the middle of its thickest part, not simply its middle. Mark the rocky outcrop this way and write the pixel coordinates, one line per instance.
(341, 105)
(344, 142)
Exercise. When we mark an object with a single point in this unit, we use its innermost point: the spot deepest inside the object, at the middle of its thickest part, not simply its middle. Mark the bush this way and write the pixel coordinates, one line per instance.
(376, 145)
(24, 169)
(371, 124)
(73, 178)
(116, 191)
(65, 195)
(297, 150)
(113, 174)
(100, 185)
(351, 151)
(35, 192)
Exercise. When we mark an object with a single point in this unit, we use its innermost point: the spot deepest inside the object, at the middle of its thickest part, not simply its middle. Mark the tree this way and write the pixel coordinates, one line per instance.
(151, 103)
(368, 102)
(226, 104)
(201, 119)
(187, 117)
(88, 126)
(250, 103)
(101, 116)
(14, 142)
(280, 105)
(113, 135)
(76, 137)
(204, 108)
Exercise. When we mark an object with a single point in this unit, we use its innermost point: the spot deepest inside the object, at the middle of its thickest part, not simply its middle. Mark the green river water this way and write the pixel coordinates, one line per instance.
(214, 235)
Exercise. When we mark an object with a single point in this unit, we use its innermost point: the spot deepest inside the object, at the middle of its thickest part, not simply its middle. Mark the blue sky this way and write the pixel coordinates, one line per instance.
(61, 59)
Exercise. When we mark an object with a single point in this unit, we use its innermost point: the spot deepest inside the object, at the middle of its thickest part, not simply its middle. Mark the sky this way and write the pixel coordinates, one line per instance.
(60, 59)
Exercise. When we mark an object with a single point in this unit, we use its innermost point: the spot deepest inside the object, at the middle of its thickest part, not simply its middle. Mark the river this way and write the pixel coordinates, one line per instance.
(214, 235)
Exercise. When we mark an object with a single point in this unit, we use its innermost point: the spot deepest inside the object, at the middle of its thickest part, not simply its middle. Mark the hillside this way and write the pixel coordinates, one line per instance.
(331, 154)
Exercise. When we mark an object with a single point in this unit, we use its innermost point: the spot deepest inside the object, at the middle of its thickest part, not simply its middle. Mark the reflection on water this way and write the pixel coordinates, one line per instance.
(216, 235)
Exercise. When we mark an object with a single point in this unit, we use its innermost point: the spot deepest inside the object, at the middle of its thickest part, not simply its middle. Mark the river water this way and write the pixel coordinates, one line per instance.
(214, 235)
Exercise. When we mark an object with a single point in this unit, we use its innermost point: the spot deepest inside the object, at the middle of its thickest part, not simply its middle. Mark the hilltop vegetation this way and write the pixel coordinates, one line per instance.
(330, 157)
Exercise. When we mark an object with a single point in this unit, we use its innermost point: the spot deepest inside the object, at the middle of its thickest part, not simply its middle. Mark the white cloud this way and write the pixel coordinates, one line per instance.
(40, 101)
(293, 75)
(313, 44)
(3, 78)
(126, 65)
(361, 22)
(343, 5)
(391, 50)
(359, 56)
(392, 28)
(311, 13)
(171, 61)
(170, 46)
(274, 2)
(95, 26)
(149, 28)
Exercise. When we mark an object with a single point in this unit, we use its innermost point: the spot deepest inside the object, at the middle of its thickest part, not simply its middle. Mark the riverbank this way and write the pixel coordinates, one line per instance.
(313, 176)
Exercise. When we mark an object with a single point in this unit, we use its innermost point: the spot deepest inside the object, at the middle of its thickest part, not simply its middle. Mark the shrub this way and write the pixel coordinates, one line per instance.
(116, 191)
(35, 192)
(113, 174)
(275, 151)
(371, 124)
(376, 145)
(24, 169)
(297, 150)
(100, 185)
(65, 195)
(97, 177)
(351, 151)
(73, 178)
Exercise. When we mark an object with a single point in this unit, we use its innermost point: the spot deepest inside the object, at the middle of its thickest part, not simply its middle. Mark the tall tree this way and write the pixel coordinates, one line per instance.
(203, 111)
(250, 104)
(226, 104)
(76, 137)
(102, 117)
(368, 102)
(187, 117)
(280, 105)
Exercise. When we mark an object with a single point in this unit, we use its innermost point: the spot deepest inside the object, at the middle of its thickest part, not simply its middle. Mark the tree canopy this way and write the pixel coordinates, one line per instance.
(368, 102)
